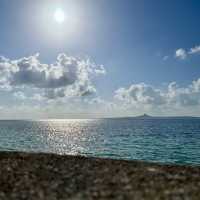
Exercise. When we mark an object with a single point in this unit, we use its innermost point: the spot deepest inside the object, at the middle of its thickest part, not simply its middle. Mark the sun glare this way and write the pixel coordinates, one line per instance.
(59, 16)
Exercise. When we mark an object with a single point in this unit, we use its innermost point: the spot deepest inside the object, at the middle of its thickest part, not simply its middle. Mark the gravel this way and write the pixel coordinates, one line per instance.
(37, 176)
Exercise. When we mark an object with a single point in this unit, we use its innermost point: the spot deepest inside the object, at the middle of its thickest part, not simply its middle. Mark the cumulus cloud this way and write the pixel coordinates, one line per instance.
(195, 50)
(181, 53)
(139, 95)
(68, 76)
(184, 96)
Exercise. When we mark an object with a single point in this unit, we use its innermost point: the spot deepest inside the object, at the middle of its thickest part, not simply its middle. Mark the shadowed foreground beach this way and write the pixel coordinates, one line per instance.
(49, 177)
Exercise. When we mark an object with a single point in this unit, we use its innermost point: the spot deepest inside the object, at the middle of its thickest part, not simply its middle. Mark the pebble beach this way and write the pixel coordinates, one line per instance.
(50, 177)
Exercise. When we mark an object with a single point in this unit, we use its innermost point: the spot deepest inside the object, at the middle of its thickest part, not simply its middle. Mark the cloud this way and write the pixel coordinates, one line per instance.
(194, 50)
(141, 93)
(22, 96)
(173, 96)
(165, 58)
(101, 103)
(19, 95)
(184, 96)
(181, 53)
(67, 77)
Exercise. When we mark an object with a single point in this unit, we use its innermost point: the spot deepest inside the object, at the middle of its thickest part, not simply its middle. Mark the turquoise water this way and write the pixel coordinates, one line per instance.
(158, 140)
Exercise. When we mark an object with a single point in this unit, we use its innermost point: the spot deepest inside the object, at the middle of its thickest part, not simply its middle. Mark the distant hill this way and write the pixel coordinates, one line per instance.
(144, 116)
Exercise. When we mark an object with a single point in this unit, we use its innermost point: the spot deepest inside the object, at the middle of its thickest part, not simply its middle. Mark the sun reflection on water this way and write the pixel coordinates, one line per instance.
(175, 140)
(68, 136)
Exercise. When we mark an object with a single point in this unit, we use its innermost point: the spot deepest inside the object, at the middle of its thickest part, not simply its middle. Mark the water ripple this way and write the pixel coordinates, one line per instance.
(157, 140)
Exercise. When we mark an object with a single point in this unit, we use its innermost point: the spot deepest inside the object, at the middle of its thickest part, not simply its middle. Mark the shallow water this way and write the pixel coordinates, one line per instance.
(159, 140)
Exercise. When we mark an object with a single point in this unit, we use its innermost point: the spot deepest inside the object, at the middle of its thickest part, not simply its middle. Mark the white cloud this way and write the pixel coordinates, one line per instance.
(184, 96)
(47, 86)
(181, 53)
(194, 50)
(67, 77)
(19, 95)
(102, 104)
(136, 99)
(37, 97)
(142, 95)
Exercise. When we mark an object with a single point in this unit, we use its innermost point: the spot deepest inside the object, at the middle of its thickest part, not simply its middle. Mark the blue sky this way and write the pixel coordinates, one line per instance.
(135, 41)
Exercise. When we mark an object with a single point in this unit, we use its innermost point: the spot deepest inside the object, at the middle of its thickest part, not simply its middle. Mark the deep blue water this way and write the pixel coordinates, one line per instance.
(160, 140)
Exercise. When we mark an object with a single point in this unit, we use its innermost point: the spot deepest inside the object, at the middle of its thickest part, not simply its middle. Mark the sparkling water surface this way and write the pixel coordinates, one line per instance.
(158, 140)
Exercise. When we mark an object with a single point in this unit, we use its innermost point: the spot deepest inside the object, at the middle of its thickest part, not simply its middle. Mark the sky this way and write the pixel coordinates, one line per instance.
(99, 58)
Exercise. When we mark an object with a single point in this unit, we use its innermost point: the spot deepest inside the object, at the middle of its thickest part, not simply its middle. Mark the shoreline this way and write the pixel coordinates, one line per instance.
(45, 176)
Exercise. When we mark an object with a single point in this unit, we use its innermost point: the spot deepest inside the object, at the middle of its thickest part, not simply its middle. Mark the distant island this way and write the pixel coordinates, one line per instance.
(146, 116)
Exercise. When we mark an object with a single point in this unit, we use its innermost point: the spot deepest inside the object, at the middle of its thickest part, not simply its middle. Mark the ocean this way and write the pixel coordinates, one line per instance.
(163, 140)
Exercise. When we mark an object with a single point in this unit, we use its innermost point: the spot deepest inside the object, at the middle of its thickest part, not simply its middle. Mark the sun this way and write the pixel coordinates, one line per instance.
(59, 16)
